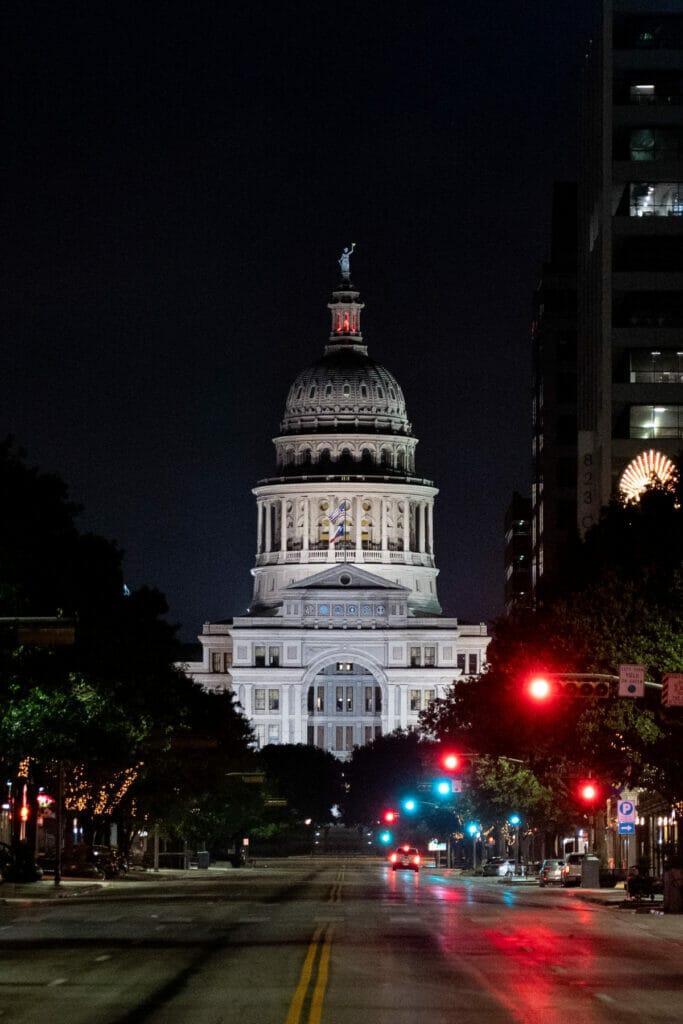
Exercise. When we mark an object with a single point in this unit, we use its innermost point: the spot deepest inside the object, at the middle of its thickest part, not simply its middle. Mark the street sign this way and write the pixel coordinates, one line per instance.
(672, 690)
(631, 680)
(626, 828)
(434, 845)
(626, 812)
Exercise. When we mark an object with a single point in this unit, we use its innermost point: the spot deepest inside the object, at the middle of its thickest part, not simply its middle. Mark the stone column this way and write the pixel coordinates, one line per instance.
(259, 528)
(422, 528)
(269, 525)
(430, 528)
(406, 525)
(283, 524)
(307, 523)
(358, 515)
(383, 521)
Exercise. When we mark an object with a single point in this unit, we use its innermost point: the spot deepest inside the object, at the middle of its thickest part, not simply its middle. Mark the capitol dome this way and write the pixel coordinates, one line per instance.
(345, 390)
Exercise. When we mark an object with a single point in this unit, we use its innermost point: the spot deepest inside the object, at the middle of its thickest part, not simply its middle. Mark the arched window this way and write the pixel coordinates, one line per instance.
(311, 393)
(363, 391)
(328, 390)
(346, 391)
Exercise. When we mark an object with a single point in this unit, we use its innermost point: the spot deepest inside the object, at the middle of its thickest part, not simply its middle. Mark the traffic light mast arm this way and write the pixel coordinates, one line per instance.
(587, 676)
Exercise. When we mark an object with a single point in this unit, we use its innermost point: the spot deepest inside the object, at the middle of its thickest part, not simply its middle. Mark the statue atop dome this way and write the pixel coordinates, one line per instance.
(345, 262)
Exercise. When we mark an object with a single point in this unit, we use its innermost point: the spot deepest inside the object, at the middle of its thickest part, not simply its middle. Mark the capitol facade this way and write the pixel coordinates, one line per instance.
(344, 640)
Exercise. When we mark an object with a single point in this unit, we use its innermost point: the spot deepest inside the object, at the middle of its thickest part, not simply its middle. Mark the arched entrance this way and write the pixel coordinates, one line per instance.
(345, 698)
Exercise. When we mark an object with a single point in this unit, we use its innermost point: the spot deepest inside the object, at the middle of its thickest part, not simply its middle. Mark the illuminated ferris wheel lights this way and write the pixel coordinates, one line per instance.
(647, 468)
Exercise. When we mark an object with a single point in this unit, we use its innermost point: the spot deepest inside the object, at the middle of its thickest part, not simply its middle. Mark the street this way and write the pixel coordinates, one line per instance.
(335, 941)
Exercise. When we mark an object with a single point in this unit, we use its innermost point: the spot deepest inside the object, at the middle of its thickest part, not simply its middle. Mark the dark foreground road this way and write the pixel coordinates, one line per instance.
(333, 942)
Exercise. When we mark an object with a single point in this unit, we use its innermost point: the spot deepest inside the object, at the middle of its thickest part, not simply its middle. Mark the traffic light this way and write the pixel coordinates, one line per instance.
(410, 804)
(24, 812)
(385, 837)
(450, 761)
(390, 817)
(589, 791)
(544, 687)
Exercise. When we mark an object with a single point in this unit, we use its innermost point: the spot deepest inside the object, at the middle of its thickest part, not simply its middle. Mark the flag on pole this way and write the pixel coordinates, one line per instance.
(339, 511)
(339, 532)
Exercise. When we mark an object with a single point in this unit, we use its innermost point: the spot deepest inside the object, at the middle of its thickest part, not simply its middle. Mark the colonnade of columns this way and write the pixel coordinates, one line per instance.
(301, 530)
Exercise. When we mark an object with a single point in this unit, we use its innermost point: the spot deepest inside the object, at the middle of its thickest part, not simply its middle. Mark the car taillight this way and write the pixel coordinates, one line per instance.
(416, 859)
(393, 858)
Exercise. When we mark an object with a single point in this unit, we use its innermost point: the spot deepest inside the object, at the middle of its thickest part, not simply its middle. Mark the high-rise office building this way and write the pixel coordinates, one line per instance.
(630, 246)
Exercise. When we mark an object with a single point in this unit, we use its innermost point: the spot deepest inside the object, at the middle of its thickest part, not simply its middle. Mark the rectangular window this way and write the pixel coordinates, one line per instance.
(415, 700)
(349, 738)
(320, 702)
(260, 736)
(368, 698)
(368, 734)
(273, 733)
(339, 698)
(309, 700)
(274, 657)
(349, 698)
(321, 736)
(415, 659)
(430, 657)
(260, 657)
(310, 735)
(216, 661)
(378, 731)
(653, 421)
(460, 662)
(472, 664)
(259, 699)
(378, 699)
(228, 661)
(339, 738)
(428, 696)
(273, 700)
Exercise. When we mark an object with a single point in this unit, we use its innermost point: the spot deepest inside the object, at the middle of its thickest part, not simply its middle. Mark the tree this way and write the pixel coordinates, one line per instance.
(621, 603)
(308, 778)
(108, 708)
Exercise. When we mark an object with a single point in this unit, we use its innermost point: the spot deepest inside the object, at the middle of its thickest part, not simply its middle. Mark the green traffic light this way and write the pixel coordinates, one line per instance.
(385, 837)
(444, 787)
(515, 819)
(410, 804)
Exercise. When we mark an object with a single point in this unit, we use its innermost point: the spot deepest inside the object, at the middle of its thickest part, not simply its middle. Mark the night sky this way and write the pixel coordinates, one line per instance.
(179, 180)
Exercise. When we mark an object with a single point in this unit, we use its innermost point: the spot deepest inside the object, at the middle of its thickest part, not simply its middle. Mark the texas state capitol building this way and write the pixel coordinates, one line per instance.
(344, 640)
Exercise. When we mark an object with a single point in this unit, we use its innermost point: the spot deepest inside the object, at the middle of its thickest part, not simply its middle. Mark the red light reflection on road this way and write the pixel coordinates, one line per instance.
(448, 895)
(534, 968)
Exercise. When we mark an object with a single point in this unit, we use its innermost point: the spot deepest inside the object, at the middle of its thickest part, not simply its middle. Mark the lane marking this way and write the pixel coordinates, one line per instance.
(294, 1013)
(318, 957)
(315, 1015)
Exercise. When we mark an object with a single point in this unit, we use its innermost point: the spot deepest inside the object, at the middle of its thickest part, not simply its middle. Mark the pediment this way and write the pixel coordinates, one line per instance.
(347, 577)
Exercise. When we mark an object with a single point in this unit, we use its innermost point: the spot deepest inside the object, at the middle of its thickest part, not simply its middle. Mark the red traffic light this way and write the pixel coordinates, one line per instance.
(589, 791)
(24, 813)
(540, 688)
(450, 761)
(390, 817)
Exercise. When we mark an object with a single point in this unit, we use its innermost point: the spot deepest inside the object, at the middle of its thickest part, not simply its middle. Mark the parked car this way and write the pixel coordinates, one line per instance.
(405, 857)
(571, 872)
(498, 867)
(550, 872)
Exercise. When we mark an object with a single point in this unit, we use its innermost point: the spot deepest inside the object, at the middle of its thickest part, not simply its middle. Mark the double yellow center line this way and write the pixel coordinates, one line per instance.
(316, 967)
(318, 955)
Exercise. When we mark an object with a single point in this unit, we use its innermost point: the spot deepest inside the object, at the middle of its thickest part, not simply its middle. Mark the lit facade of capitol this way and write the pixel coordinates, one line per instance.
(344, 640)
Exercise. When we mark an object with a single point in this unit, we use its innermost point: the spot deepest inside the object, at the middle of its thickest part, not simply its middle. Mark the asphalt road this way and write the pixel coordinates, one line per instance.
(333, 942)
